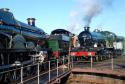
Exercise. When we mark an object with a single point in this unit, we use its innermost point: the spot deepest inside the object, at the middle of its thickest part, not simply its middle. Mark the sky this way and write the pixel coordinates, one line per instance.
(68, 14)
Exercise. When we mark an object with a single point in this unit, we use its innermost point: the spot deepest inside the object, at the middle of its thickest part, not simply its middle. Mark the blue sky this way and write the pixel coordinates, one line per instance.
(53, 14)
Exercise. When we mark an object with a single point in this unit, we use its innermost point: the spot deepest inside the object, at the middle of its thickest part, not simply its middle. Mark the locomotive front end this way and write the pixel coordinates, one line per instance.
(85, 37)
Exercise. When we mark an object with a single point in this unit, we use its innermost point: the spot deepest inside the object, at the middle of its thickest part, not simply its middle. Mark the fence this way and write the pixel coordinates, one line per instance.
(37, 73)
(110, 62)
(44, 72)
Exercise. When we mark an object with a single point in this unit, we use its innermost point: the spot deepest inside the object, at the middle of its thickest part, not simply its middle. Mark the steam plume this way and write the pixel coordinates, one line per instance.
(87, 9)
(92, 8)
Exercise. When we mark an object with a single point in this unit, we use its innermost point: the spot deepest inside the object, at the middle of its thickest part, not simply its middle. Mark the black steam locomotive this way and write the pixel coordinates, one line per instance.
(97, 44)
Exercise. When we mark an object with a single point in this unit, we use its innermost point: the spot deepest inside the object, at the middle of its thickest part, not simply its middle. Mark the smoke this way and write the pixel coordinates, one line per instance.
(87, 9)
(90, 8)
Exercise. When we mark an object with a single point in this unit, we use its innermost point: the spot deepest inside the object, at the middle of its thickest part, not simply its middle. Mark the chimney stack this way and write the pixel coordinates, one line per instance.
(86, 29)
(31, 21)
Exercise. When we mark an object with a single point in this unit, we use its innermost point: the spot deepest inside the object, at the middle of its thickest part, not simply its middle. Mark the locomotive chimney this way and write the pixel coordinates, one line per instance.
(31, 21)
(86, 28)
(5, 9)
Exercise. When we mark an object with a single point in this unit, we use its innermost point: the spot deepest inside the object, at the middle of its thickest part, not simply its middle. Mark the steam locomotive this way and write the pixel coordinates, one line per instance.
(17, 39)
(25, 44)
(12, 31)
(98, 45)
(61, 39)
(18, 43)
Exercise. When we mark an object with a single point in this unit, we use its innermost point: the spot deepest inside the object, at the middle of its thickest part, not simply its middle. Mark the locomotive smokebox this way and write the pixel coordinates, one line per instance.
(31, 21)
(86, 29)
